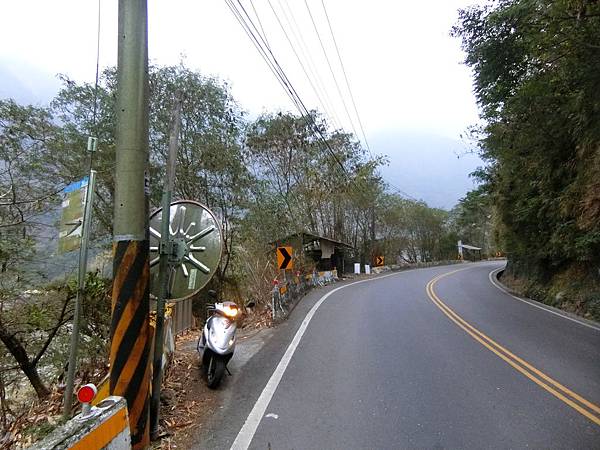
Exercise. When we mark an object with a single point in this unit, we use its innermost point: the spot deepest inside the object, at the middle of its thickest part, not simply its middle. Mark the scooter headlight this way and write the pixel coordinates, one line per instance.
(230, 311)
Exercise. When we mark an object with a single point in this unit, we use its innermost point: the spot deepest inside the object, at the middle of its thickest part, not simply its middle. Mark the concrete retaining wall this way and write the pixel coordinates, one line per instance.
(105, 427)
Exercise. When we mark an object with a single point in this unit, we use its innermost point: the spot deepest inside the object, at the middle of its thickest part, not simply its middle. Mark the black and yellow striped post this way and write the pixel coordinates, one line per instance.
(130, 367)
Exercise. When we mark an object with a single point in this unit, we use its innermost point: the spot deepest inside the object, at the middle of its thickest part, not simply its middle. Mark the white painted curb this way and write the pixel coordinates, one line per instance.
(549, 309)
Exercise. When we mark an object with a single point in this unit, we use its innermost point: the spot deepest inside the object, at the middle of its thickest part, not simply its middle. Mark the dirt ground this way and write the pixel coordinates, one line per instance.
(186, 401)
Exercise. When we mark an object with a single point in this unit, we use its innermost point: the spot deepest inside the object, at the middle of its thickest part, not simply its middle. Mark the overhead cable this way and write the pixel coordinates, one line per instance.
(237, 14)
(276, 68)
(298, 57)
(330, 68)
(260, 42)
(297, 33)
(346, 78)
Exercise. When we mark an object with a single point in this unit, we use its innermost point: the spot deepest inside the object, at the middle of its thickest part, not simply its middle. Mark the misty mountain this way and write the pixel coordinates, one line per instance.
(432, 168)
(26, 84)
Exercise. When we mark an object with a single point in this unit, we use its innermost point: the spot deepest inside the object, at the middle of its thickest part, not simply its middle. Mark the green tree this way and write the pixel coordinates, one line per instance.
(536, 80)
(211, 166)
(473, 220)
(81, 111)
(325, 185)
(43, 149)
(26, 136)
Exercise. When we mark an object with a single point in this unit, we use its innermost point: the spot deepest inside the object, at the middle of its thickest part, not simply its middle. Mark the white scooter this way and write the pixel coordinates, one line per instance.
(217, 342)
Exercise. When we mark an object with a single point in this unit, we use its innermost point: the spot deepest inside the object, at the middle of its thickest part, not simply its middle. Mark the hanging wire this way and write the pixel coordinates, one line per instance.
(94, 127)
(346, 78)
(295, 28)
(274, 65)
(264, 49)
(97, 69)
(330, 68)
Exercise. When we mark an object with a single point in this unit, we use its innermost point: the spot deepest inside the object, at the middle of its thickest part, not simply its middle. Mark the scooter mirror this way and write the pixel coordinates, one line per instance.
(250, 304)
(213, 294)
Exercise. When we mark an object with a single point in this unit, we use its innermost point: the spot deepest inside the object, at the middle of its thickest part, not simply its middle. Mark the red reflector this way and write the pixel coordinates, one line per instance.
(87, 393)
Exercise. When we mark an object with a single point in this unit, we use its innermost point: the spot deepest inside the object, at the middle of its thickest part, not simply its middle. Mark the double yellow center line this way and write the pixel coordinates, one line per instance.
(575, 401)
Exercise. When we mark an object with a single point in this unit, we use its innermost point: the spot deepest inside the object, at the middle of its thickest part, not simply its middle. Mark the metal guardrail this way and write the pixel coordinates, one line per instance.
(182, 317)
(178, 314)
(285, 296)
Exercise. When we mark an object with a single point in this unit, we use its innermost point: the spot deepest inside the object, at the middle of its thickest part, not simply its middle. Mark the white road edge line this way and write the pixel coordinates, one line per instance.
(246, 434)
(492, 276)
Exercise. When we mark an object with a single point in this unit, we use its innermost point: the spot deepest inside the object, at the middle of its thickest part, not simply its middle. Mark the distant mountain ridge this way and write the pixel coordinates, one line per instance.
(36, 88)
(432, 168)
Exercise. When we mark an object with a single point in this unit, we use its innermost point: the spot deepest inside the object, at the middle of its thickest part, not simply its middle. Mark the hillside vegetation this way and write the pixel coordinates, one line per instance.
(537, 80)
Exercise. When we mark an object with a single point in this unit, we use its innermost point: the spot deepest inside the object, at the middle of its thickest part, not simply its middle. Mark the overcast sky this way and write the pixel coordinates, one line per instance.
(404, 69)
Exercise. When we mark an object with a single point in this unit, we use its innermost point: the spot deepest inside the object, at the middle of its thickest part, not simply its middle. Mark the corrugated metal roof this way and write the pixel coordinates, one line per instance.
(470, 247)
(312, 236)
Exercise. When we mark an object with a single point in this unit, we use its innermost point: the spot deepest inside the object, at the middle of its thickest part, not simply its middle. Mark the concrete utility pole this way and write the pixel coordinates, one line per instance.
(130, 328)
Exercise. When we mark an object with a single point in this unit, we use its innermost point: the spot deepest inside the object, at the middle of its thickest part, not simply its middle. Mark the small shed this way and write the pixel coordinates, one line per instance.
(326, 253)
(469, 252)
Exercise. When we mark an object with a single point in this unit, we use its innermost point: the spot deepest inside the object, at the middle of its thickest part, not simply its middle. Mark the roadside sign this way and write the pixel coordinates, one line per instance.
(379, 261)
(284, 258)
(71, 220)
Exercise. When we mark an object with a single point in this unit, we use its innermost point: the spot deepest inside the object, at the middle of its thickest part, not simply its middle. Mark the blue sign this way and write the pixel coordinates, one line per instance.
(76, 185)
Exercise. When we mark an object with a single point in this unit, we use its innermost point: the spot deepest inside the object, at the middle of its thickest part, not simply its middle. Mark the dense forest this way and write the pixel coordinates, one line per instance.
(536, 78)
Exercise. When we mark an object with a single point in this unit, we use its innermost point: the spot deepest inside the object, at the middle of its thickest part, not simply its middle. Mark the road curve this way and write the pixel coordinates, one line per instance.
(431, 358)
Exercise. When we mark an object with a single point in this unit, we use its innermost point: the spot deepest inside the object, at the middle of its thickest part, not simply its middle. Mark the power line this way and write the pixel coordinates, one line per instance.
(97, 67)
(272, 61)
(280, 74)
(273, 64)
(400, 191)
(396, 189)
(260, 49)
(346, 78)
(94, 128)
(330, 68)
(306, 52)
(297, 57)
(260, 23)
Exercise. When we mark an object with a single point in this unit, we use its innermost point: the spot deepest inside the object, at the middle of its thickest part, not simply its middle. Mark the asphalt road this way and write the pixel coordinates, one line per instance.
(430, 358)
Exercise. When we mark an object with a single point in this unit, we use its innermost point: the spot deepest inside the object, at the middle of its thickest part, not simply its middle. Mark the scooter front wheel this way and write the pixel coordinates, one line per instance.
(215, 371)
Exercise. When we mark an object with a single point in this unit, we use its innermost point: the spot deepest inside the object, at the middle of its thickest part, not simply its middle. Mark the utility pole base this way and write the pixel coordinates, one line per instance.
(130, 367)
